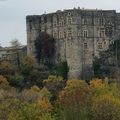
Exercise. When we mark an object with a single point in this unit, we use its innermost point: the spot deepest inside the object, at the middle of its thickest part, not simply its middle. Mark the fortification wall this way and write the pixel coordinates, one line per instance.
(80, 35)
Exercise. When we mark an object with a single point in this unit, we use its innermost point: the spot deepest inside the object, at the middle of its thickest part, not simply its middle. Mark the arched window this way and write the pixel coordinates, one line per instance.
(85, 33)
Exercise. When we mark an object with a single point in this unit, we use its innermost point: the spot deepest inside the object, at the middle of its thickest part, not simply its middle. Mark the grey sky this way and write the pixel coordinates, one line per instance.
(13, 14)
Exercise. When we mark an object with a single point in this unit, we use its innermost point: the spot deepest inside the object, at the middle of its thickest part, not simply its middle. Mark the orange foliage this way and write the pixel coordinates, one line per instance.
(3, 80)
(96, 83)
(75, 93)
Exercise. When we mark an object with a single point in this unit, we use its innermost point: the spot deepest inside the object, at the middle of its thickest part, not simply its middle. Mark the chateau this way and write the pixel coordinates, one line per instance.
(80, 35)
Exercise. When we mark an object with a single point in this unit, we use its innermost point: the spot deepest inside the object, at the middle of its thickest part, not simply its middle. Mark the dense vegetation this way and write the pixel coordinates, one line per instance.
(33, 92)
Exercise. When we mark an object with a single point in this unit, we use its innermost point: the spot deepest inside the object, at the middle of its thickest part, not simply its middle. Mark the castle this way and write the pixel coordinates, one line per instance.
(80, 35)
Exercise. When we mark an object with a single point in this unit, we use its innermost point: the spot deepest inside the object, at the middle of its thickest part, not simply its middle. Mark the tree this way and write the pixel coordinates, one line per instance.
(74, 100)
(15, 44)
(54, 84)
(14, 109)
(97, 67)
(7, 69)
(44, 48)
(28, 64)
(106, 107)
(62, 69)
(108, 62)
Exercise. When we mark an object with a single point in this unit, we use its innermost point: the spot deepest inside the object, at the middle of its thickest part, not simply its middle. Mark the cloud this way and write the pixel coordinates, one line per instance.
(13, 13)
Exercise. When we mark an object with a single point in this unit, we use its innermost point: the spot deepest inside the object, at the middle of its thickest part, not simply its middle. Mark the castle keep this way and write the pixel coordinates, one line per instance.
(80, 35)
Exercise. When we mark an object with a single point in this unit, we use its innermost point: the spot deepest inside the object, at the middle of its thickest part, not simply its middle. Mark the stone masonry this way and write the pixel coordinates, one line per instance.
(80, 35)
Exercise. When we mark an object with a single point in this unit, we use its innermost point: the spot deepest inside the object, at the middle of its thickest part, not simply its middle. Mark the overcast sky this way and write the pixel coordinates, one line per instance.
(13, 14)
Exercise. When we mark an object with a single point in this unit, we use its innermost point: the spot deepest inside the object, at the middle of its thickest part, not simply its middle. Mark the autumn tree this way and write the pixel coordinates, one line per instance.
(28, 64)
(54, 84)
(74, 100)
(7, 69)
(14, 109)
(106, 107)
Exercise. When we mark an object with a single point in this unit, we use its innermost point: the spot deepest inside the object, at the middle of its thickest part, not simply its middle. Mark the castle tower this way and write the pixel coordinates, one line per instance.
(80, 35)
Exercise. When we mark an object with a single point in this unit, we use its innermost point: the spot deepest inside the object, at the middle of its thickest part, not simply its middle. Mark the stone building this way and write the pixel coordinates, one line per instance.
(80, 35)
(13, 54)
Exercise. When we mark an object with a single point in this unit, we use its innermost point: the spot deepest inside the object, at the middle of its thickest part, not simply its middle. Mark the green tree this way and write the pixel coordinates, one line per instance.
(44, 48)
(62, 69)
(97, 67)
(28, 64)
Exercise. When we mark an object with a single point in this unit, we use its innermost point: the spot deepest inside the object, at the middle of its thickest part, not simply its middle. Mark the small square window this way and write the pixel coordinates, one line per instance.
(85, 45)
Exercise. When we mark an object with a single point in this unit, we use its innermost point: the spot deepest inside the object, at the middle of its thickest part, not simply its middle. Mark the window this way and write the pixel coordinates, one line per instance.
(69, 33)
(55, 34)
(85, 21)
(101, 21)
(85, 46)
(100, 46)
(85, 33)
(60, 34)
(69, 14)
(69, 21)
(61, 23)
(102, 33)
(64, 34)
(54, 23)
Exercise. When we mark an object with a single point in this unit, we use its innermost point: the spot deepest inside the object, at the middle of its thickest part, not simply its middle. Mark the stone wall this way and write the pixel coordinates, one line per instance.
(80, 35)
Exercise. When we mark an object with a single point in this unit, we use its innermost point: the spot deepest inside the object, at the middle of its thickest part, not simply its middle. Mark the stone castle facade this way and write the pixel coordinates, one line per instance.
(80, 35)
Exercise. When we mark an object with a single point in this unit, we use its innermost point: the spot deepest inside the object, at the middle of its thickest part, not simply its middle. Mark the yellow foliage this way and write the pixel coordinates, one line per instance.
(35, 88)
(74, 84)
(76, 92)
(13, 115)
(106, 107)
(44, 105)
(45, 94)
(53, 79)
